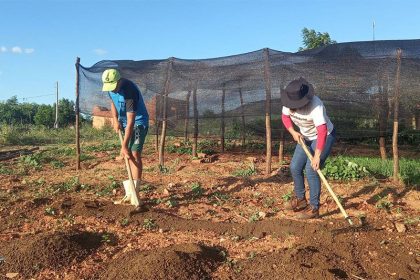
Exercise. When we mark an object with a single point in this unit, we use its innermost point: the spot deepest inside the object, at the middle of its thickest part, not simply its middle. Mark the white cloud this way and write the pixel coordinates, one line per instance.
(100, 51)
(3, 49)
(16, 49)
(28, 51)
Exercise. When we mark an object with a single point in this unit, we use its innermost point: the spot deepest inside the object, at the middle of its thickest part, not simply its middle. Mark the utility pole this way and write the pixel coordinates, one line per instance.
(373, 30)
(56, 107)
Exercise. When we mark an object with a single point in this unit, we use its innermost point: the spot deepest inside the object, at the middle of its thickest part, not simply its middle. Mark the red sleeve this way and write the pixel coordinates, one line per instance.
(322, 136)
(287, 121)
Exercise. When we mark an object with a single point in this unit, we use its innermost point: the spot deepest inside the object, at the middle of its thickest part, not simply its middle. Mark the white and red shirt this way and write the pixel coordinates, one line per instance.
(309, 117)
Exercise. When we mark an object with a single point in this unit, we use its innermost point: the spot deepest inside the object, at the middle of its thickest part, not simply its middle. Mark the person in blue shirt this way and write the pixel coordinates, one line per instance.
(130, 116)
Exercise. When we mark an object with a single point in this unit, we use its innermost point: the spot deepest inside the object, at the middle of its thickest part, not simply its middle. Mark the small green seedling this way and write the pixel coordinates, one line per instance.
(149, 224)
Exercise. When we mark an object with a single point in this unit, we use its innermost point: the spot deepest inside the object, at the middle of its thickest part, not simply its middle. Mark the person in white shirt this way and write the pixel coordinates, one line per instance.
(302, 108)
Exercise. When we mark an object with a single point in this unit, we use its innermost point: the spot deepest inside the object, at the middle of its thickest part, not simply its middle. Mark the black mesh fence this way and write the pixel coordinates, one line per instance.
(356, 81)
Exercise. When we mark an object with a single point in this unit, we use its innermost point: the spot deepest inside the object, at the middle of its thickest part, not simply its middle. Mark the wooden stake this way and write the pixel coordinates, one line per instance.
(187, 116)
(267, 80)
(242, 117)
(195, 109)
(281, 147)
(157, 112)
(77, 115)
(382, 116)
(222, 135)
(396, 111)
(165, 113)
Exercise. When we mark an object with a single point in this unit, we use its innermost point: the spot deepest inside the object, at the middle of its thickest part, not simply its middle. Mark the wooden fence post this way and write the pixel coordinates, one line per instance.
(281, 147)
(396, 111)
(195, 137)
(77, 115)
(222, 135)
(187, 115)
(267, 81)
(242, 117)
(382, 116)
(165, 113)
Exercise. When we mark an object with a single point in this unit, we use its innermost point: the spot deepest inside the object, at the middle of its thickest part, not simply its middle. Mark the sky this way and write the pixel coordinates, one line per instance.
(40, 39)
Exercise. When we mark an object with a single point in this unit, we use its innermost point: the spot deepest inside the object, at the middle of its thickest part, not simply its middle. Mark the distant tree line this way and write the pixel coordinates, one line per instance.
(12, 113)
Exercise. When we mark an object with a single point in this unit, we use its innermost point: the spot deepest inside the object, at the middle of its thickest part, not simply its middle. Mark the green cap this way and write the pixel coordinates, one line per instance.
(110, 79)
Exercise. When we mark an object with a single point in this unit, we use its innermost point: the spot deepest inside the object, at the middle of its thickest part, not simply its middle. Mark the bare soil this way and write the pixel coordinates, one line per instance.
(53, 226)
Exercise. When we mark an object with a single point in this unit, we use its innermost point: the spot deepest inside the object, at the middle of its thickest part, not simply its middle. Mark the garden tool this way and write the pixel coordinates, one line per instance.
(324, 180)
(127, 191)
(130, 188)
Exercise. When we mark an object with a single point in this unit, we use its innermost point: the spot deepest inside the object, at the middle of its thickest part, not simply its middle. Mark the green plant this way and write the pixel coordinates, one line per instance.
(246, 172)
(5, 170)
(106, 238)
(340, 168)
(85, 157)
(255, 217)
(411, 221)
(50, 211)
(171, 202)
(196, 190)
(340, 199)
(67, 186)
(269, 202)
(287, 196)
(149, 224)
(34, 161)
(383, 203)
(163, 169)
(109, 188)
(124, 222)
(57, 164)
(219, 198)
(103, 147)
(156, 201)
(147, 188)
(374, 166)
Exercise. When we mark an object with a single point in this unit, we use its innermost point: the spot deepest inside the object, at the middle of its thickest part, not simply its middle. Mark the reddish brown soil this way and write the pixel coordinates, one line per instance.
(182, 261)
(78, 233)
(31, 254)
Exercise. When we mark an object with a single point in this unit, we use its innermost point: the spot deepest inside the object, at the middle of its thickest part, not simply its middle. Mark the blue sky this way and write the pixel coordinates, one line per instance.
(40, 39)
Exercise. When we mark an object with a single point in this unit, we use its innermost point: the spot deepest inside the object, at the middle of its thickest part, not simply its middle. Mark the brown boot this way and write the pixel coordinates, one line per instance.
(296, 204)
(308, 213)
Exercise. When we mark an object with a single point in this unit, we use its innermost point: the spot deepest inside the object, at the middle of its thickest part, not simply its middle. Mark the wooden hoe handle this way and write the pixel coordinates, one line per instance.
(324, 180)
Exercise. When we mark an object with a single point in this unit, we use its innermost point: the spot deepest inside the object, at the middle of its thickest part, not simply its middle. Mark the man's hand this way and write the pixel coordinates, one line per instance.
(296, 136)
(315, 162)
(117, 126)
(125, 152)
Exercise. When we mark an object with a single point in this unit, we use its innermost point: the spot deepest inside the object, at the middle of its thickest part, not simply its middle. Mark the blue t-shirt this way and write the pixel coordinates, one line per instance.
(127, 98)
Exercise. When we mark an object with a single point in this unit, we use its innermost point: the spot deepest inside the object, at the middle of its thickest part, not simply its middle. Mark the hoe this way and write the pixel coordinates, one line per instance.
(308, 153)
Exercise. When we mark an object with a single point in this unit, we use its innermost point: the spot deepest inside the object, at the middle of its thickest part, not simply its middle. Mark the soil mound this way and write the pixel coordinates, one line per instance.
(182, 261)
(371, 254)
(303, 262)
(31, 254)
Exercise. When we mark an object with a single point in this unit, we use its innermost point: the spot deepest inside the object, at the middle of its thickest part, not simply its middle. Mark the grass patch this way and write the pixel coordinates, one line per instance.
(246, 172)
(39, 135)
(354, 168)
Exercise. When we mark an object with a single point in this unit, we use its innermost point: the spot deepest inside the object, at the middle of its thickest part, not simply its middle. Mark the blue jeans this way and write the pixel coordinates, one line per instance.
(301, 162)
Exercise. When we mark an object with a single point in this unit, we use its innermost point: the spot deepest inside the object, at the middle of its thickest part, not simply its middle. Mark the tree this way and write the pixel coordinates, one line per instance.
(313, 39)
(45, 115)
(66, 114)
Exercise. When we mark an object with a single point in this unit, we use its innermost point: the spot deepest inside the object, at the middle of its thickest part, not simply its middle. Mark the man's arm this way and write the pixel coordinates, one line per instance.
(115, 122)
(287, 122)
(127, 135)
